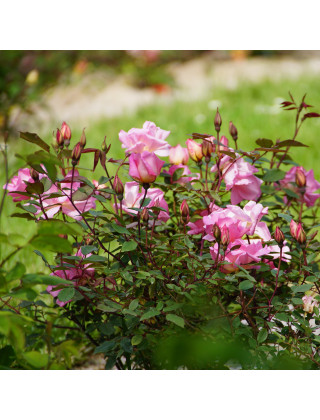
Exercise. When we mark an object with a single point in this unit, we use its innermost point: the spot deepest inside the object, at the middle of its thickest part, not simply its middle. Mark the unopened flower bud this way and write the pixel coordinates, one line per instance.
(59, 139)
(217, 121)
(76, 154)
(293, 228)
(225, 237)
(118, 187)
(34, 175)
(279, 236)
(301, 236)
(207, 148)
(65, 131)
(104, 146)
(195, 150)
(83, 139)
(145, 215)
(216, 232)
(184, 210)
(156, 204)
(233, 131)
(300, 178)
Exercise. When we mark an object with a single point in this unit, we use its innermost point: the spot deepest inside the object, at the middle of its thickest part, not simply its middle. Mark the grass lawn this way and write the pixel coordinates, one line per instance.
(254, 109)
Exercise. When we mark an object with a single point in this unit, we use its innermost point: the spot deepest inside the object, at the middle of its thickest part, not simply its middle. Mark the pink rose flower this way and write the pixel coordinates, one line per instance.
(132, 199)
(239, 178)
(80, 273)
(16, 186)
(178, 155)
(63, 203)
(244, 256)
(144, 167)
(150, 138)
(307, 194)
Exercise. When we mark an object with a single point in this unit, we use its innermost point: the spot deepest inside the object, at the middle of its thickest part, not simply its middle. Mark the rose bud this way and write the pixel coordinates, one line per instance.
(293, 228)
(178, 155)
(76, 154)
(184, 210)
(279, 236)
(34, 174)
(118, 187)
(65, 131)
(217, 121)
(195, 150)
(144, 167)
(300, 178)
(233, 131)
(145, 215)
(104, 146)
(59, 139)
(207, 148)
(216, 232)
(225, 237)
(83, 139)
(301, 236)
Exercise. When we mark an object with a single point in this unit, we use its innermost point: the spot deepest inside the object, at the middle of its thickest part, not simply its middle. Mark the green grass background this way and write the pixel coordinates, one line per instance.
(253, 108)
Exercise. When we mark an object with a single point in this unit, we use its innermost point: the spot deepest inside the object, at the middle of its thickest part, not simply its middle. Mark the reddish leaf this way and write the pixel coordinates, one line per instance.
(311, 115)
(96, 158)
(291, 143)
(264, 142)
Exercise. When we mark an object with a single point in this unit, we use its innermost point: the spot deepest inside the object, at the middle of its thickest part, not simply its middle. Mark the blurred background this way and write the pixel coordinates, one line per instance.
(109, 91)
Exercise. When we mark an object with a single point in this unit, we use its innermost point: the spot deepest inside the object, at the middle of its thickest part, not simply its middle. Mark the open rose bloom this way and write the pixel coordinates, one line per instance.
(149, 138)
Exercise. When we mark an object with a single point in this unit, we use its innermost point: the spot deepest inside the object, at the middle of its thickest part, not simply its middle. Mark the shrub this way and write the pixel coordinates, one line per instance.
(205, 260)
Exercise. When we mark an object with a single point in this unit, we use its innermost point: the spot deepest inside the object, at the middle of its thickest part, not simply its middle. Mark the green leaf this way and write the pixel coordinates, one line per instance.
(52, 243)
(134, 304)
(175, 319)
(126, 345)
(120, 229)
(188, 243)
(35, 139)
(35, 187)
(129, 246)
(82, 193)
(302, 288)
(87, 249)
(16, 273)
(286, 217)
(274, 175)
(66, 294)
(136, 339)
(29, 279)
(150, 314)
(105, 347)
(57, 227)
(36, 359)
(95, 258)
(245, 285)
(262, 335)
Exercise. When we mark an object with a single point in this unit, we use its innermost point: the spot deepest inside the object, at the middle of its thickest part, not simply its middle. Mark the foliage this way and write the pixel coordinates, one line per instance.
(169, 275)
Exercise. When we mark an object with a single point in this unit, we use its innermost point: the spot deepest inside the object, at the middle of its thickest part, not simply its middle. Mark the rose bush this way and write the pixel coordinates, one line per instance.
(170, 264)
